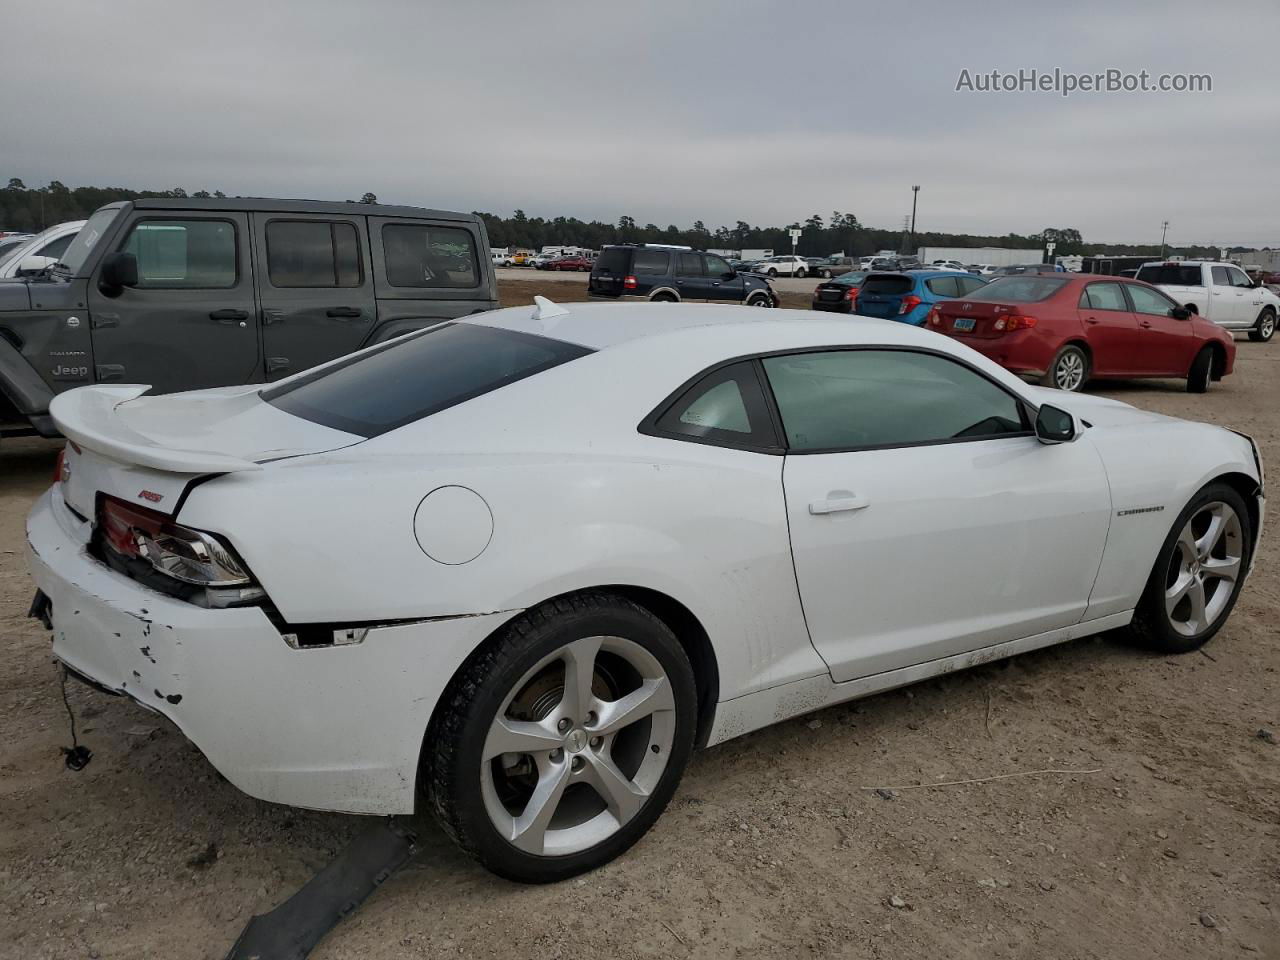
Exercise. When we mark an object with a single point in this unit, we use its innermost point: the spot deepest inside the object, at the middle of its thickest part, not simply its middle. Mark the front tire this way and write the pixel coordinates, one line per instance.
(773, 272)
(800, 274)
(1265, 328)
(1198, 573)
(1069, 370)
(559, 745)
(759, 300)
(1201, 374)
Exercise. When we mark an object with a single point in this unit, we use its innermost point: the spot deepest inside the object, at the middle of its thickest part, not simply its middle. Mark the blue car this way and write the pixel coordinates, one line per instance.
(910, 295)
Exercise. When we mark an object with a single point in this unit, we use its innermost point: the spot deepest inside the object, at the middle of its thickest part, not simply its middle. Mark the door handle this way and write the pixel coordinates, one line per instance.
(838, 501)
(229, 316)
(1090, 319)
(1145, 323)
(343, 313)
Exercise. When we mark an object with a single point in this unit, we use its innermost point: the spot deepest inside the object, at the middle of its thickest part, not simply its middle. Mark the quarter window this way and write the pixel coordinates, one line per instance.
(858, 399)
(423, 255)
(184, 254)
(725, 407)
(313, 253)
(1103, 296)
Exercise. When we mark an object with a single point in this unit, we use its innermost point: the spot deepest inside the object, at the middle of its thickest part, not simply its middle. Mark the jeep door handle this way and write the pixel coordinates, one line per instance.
(343, 313)
(229, 316)
(838, 501)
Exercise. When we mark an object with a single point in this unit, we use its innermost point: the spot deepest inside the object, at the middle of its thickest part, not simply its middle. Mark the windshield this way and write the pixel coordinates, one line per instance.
(415, 377)
(76, 254)
(1029, 288)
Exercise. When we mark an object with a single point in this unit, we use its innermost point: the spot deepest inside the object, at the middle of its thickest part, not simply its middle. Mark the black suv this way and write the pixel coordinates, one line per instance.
(674, 274)
(186, 293)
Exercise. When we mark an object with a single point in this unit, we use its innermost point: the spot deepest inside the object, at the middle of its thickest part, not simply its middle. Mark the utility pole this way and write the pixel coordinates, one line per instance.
(1164, 230)
(915, 192)
(904, 246)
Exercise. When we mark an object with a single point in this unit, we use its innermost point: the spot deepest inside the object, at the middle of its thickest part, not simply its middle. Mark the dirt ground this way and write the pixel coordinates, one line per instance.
(1166, 844)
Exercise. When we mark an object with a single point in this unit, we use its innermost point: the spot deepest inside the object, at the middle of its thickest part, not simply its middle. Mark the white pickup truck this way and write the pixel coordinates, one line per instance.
(1220, 292)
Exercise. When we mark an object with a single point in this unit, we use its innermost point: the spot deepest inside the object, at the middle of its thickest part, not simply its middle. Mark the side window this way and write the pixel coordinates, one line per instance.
(1238, 277)
(688, 265)
(56, 248)
(717, 266)
(1220, 277)
(1146, 300)
(943, 286)
(1103, 296)
(184, 254)
(853, 399)
(424, 255)
(726, 407)
(313, 253)
(969, 284)
(651, 261)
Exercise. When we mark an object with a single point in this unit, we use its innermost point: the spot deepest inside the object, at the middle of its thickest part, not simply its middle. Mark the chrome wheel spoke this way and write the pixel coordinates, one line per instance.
(529, 830)
(579, 673)
(1217, 525)
(1196, 595)
(647, 699)
(1173, 596)
(622, 796)
(519, 736)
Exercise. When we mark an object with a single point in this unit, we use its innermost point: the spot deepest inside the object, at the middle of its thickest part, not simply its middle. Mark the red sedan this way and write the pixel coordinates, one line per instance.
(1067, 329)
(569, 263)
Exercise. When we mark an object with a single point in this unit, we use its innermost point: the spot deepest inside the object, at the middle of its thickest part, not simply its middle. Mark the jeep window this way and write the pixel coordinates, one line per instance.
(416, 376)
(424, 255)
(183, 254)
(78, 250)
(313, 253)
(652, 261)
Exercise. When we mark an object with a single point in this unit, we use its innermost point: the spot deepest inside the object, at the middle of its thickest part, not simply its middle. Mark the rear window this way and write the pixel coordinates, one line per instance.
(652, 261)
(1172, 274)
(1029, 288)
(613, 261)
(409, 379)
(890, 285)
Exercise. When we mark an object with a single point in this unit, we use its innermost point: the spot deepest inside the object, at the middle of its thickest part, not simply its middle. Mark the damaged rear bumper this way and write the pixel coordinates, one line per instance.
(334, 728)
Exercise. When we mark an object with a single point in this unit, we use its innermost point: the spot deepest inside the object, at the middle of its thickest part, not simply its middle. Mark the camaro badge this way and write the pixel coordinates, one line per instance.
(1126, 513)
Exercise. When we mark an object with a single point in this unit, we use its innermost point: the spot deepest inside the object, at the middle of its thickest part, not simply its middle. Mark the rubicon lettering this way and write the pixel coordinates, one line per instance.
(1065, 83)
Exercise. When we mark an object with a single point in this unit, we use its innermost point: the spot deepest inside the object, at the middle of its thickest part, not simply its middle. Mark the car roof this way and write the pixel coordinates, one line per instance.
(268, 205)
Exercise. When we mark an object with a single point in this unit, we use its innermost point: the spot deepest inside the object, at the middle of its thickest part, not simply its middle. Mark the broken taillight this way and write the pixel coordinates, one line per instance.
(186, 555)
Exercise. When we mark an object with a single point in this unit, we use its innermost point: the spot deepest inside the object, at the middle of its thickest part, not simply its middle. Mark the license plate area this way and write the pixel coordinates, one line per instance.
(963, 325)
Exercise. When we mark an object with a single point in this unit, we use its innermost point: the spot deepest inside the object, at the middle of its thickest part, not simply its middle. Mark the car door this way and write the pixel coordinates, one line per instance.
(1168, 345)
(1112, 331)
(1248, 297)
(725, 285)
(191, 320)
(691, 281)
(926, 519)
(315, 288)
(1224, 299)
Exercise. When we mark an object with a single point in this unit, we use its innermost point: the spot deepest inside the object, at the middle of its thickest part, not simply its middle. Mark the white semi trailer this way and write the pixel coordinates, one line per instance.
(996, 256)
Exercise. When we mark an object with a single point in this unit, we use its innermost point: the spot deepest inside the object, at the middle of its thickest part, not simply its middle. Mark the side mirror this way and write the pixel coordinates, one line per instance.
(1192, 309)
(35, 264)
(119, 270)
(1055, 426)
(1180, 313)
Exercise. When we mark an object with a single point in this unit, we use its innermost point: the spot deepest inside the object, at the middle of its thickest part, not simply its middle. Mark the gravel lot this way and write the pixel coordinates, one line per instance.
(774, 844)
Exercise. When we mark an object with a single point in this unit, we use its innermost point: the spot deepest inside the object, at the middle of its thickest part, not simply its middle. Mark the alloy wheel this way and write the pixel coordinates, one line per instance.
(1266, 327)
(1203, 569)
(1068, 373)
(578, 746)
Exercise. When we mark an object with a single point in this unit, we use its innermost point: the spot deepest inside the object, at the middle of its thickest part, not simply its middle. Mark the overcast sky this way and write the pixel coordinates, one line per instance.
(668, 112)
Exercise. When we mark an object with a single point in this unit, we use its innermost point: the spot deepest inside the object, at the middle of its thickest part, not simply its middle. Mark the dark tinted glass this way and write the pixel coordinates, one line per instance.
(1024, 289)
(422, 255)
(414, 378)
(1172, 274)
(312, 253)
(186, 254)
(1220, 276)
(651, 261)
(943, 286)
(689, 265)
(851, 399)
(613, 260)
(890, 285)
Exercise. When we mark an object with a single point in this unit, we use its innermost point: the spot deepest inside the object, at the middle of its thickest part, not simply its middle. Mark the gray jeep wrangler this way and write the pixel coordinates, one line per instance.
(184, 294)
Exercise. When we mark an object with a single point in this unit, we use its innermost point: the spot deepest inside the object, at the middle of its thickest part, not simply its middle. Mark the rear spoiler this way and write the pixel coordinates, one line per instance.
(86, 416)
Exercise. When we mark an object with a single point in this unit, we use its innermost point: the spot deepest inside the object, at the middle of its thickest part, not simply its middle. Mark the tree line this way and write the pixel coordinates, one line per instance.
(34, 208)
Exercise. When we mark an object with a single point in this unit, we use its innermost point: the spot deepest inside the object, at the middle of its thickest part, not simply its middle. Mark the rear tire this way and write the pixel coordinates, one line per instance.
(1265, 328)
(1182, 607)
(773, 272)
(800, 274)
(1201, 374)
(583, 780)
(663, 298)
(1069, 370)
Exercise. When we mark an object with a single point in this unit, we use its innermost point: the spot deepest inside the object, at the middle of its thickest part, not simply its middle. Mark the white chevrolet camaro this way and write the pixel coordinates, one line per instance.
(515, 567)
